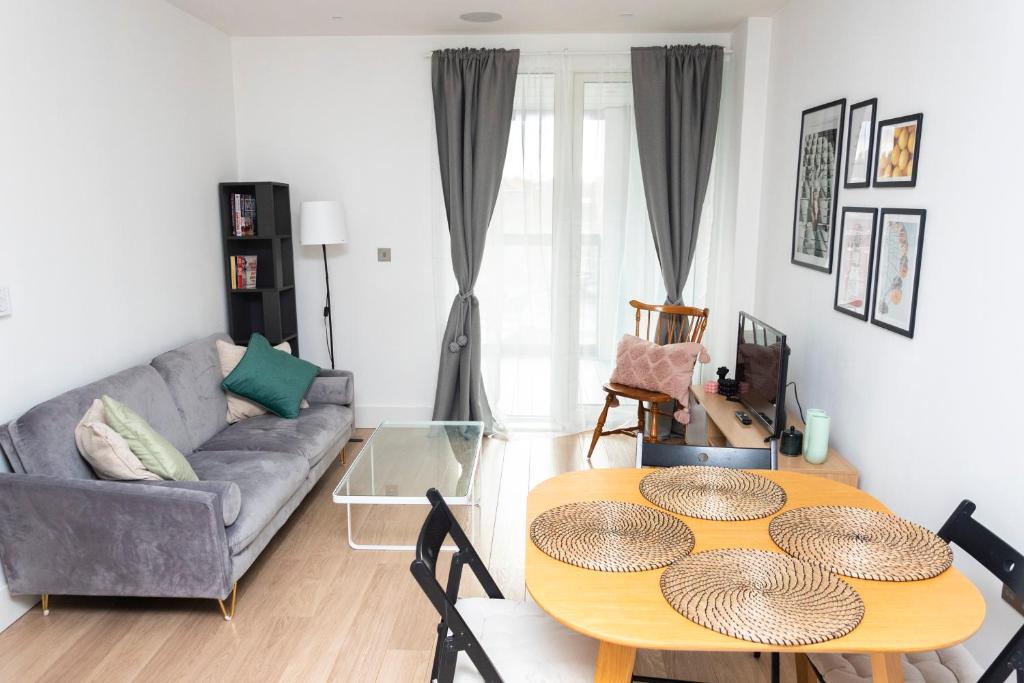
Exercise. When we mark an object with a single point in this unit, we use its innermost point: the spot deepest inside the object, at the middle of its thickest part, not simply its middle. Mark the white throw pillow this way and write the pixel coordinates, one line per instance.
(105, 450)
(240, 408)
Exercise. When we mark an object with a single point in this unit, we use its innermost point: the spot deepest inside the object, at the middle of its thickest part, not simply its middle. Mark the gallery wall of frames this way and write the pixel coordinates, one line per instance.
(879, 250)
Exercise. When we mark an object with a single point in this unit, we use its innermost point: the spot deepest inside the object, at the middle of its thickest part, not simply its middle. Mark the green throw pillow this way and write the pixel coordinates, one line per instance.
(274, 379)
(155, 452)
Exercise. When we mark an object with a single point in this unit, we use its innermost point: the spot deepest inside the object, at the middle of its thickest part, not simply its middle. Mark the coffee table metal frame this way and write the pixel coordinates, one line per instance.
(469, 499)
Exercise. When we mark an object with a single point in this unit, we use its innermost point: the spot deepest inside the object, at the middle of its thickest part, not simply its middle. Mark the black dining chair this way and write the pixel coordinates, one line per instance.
(676, 455)
(954, 663)
(673, 455)
(500, 638)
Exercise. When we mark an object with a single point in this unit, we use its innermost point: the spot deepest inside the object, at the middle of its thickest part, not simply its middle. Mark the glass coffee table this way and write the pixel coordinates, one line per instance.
(389, 479)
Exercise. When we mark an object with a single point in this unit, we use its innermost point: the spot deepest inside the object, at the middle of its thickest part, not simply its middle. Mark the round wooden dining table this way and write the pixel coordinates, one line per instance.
(627, 611)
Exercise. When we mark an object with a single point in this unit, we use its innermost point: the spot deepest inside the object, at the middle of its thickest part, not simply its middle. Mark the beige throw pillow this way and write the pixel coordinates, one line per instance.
(240, 408)
(105, 450)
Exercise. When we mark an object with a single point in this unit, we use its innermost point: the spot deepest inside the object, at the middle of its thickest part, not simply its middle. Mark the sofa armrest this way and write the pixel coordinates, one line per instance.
(227, 492)
(92, 537)
(332, 386)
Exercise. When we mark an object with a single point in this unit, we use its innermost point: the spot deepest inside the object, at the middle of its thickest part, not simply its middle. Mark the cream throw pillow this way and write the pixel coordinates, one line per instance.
(240, 408)
(105, 450)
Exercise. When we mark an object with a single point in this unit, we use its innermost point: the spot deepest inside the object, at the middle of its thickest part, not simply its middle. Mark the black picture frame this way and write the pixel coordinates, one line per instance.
(812, 156)
(870, 265)
(884, 147)
(853, 137)
(889, 248)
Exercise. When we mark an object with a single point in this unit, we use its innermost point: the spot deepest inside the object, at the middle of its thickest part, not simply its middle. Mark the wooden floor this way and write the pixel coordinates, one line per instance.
(312, 609)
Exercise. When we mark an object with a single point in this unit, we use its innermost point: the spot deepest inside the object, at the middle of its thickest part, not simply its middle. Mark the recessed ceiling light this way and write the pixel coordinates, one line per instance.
(626, 15)
(480, 17)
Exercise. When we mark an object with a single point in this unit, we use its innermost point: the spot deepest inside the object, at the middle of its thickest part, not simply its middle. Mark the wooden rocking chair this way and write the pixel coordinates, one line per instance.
(675, 325)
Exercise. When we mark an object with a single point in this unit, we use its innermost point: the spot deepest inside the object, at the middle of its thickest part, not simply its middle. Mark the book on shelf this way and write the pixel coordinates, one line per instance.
(243, 215)
(242, 270)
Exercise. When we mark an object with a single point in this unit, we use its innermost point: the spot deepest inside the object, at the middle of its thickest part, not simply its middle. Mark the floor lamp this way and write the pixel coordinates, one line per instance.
(323, 223)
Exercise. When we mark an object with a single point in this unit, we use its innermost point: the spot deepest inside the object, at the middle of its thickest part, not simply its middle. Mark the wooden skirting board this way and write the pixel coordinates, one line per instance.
(724, 429)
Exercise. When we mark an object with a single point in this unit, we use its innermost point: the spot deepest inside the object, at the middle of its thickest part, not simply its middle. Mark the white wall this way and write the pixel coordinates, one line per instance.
(352, 119)
(739, 156)
(932, 420)
(116, 126)
(754, 35)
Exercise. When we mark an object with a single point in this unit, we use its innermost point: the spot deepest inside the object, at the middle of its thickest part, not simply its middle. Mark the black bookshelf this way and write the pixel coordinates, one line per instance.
(269, 308)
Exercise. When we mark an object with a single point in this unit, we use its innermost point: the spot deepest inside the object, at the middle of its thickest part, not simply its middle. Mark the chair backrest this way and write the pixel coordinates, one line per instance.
(673, 324)
(1006, 564)
(661, 454)
(453, 635)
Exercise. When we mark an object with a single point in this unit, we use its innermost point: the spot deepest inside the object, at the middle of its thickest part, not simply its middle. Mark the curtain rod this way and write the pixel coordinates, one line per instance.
(576, 53)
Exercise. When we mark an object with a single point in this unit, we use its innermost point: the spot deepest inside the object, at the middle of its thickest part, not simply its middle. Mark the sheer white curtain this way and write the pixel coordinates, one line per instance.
(569, 245)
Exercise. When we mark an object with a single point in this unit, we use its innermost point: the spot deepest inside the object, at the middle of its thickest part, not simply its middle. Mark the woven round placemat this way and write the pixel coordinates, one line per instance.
(762, 597)
(715, 493)
(864, 544)
(611, 536)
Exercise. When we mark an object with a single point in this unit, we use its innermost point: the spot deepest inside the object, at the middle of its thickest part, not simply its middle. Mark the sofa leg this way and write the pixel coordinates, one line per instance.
(228, 614)
(46, 604)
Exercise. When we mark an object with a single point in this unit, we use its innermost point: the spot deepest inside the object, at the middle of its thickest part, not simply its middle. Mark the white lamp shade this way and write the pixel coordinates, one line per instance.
(323, 223)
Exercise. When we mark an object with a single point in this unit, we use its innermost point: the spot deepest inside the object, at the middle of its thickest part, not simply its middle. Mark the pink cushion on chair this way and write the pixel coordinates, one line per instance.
(668, 369)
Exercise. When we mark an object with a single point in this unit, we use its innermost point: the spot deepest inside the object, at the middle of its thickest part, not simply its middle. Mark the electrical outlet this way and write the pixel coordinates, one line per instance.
(5, 301)
(384, 254)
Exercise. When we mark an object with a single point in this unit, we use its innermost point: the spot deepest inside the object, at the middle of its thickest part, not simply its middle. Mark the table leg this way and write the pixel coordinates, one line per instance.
(886, 667)
(614, 663)
(804, 671)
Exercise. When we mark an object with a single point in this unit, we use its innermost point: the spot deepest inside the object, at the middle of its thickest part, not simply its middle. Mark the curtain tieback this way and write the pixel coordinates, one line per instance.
(456, 345)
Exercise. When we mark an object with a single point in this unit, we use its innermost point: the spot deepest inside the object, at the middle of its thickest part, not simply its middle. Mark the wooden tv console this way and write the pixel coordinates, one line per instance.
(723, 429)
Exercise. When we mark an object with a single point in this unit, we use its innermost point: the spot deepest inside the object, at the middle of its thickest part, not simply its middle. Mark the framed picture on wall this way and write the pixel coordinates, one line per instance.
(853, 270)
(860, 144)
(898, 269)
(899, 150)
(817, 184)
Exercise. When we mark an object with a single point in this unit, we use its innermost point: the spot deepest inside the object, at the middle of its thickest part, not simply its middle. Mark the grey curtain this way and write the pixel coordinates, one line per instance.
(676, 95)
(473, 93)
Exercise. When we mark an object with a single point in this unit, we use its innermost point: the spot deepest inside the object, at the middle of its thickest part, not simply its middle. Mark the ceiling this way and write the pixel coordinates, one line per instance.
(439, 17)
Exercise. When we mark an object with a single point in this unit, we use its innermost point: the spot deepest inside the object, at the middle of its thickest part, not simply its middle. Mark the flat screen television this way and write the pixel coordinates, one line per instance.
(761, 359)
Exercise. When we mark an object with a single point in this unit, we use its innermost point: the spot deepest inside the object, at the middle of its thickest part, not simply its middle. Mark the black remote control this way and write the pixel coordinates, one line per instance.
(743, 417)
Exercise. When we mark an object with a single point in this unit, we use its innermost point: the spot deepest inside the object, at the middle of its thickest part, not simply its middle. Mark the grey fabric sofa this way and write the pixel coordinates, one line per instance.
(65, 532)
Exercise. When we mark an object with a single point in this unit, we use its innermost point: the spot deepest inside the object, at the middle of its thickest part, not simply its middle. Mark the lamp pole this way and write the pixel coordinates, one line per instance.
(323, 223)
(327, 310)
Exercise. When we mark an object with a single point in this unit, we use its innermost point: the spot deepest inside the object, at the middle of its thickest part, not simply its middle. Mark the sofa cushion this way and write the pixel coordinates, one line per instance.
(239, 408)
(270, 377)
(265, 480)
(106, 450)
(227, 491)
(311, 434)
(331, 386)
(192, 373)
(156, 453)
(43, 439)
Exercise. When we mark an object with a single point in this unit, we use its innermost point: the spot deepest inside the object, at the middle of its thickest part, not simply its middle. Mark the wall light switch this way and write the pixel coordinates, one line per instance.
(384, 254)
(5, 301)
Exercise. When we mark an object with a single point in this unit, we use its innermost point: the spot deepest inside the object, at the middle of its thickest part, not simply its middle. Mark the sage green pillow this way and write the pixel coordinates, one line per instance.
(156, 453)
(274, 379)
